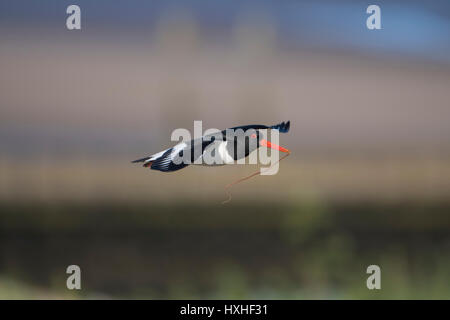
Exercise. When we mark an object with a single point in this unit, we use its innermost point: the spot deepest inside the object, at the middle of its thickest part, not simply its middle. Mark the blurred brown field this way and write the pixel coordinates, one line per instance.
(378, 179)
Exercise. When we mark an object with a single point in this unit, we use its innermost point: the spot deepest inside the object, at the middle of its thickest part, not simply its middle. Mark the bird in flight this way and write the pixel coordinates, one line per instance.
(225, 147)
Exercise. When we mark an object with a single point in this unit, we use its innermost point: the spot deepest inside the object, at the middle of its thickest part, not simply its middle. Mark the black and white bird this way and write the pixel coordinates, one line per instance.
(225, 147)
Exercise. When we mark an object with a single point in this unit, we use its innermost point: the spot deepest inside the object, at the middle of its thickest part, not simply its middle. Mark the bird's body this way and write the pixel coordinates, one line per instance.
(214, 149)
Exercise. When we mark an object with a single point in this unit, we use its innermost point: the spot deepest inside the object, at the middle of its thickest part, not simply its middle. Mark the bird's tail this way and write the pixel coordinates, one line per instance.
(147, 161)
(282, 127)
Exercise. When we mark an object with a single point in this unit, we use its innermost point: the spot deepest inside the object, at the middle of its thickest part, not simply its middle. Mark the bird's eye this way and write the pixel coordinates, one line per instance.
(253, 135)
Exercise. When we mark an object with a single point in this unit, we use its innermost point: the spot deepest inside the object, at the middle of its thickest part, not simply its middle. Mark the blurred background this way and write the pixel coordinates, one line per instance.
(367, 181)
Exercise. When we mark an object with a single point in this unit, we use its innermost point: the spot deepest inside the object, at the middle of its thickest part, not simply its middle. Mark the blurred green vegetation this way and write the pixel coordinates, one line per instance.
(307, 248)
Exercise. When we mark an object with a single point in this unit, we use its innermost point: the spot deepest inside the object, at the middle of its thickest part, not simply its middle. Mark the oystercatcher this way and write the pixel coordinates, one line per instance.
(225, 146)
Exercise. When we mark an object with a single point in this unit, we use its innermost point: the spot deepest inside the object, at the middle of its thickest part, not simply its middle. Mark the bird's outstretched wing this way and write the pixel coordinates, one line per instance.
(166, 162)
(177, 157)
(282, 127)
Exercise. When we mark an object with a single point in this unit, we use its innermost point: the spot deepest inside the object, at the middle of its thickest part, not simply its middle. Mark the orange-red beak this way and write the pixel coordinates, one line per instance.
(269, 144)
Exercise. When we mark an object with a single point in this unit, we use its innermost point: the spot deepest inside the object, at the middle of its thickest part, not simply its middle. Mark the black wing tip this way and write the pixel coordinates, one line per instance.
(282, 127)
(140, 160)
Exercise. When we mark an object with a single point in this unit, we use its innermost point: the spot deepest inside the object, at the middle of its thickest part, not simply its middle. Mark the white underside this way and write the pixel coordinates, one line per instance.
(223, 156)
